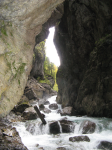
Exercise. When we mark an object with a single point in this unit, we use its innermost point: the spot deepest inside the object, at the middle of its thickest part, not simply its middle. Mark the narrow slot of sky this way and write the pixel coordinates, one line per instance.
(51, 51)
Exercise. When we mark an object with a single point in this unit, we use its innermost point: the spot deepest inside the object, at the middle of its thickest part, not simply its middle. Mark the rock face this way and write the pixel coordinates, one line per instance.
(38, 61)
(20, 22)
(84, 43)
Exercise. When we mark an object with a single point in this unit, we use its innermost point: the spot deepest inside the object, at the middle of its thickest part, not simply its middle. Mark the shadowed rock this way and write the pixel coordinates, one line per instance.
(53, 106)
(105, 145)
(29, 114)
(79, 139)
(88, 127)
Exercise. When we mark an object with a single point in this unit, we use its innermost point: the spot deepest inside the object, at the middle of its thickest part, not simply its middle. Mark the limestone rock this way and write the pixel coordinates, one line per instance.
(29, 114)
(9, 137)
(20, 22)
(67, 111)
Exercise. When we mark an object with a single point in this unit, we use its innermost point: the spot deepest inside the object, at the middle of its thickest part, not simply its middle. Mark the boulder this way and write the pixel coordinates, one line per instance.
(67, 126)
(9, 138)
(105, 145)
(20, 108)
(88, 127)
(54, 127)
(53, 106)
(47, 111)
(61, 148)
(29, 114)
(66, 111)
(79, 139)
(41, 107)
(46, 103)
(29, 93)
(59, 111)
(12, 117)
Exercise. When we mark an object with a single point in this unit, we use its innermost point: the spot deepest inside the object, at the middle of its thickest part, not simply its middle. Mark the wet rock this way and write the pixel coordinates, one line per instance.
(41, 101)
(88, 127)
(12, 117)
(54, 127)
(40, 148)
(46, 110)
(105, 145)
(46, 103)
(37, 145)
(9, 138)
(52, 92)
(61, 148)
(66, 111)
(53, 106)
(59, 111)
(67, 126)
(20, 108)
(41, 107)
(79, 139)
(29, 114)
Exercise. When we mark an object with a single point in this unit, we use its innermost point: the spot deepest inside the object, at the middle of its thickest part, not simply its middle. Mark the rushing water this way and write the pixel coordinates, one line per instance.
(40, 133)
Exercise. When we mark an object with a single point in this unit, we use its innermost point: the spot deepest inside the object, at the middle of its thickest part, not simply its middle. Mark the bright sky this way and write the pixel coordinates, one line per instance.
(51, 51)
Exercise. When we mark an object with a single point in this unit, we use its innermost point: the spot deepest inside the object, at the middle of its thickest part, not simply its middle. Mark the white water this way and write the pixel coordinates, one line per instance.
(40, 133)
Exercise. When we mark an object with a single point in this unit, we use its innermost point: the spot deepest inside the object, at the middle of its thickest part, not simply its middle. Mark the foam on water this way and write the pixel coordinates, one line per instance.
(39, 134)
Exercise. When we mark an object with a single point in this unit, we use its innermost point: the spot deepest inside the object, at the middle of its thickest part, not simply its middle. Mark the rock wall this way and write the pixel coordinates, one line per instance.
(20, 22)
(84, 77)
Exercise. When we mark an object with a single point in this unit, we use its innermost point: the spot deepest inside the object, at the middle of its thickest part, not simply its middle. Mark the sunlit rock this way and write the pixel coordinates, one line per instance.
(20, 22)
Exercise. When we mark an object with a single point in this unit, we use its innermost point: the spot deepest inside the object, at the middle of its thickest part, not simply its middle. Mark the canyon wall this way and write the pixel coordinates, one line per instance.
(20, 22)
(84, 43)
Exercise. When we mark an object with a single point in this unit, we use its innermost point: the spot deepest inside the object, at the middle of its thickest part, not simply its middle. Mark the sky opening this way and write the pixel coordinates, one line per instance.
(51, 51)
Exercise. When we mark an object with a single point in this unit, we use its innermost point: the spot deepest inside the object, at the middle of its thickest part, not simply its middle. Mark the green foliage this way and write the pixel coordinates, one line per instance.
(55, 87)
(3, 31)
(44, 81)
(50, 68)
(40, 49)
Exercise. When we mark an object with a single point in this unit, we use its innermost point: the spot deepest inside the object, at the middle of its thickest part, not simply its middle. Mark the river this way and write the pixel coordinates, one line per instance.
(38, 135)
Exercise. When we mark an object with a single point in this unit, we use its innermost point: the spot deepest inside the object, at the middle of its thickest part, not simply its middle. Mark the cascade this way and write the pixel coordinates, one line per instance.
(35, 135)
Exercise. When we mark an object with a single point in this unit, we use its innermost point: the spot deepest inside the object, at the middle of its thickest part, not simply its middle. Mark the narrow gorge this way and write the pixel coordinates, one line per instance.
(83, 39)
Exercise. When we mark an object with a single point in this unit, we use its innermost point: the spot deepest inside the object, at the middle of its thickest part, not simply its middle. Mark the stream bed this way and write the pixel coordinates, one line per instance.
(36, 136)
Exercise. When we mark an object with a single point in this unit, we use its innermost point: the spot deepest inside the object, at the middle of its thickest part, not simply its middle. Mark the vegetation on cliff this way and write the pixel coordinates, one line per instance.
(48, 69)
